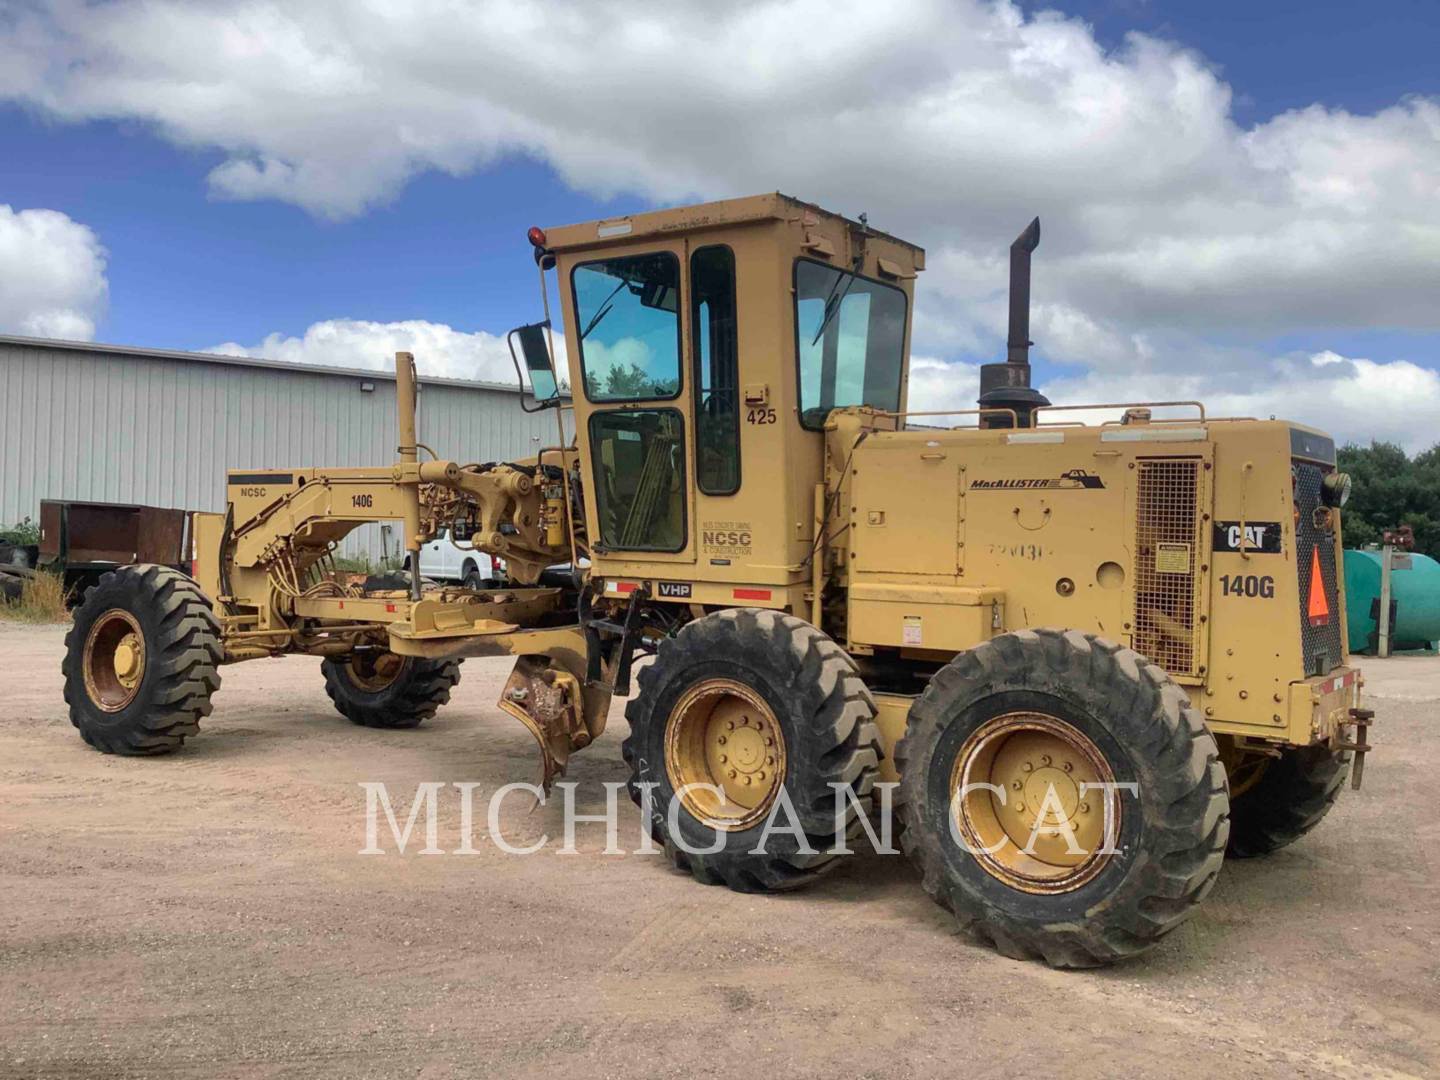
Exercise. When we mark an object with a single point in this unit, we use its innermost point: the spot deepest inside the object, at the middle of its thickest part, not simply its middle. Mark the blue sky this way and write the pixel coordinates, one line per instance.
(188, 270)
(1287, 54)
(193, 261)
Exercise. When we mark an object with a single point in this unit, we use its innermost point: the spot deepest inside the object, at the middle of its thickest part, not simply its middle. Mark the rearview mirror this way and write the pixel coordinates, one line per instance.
(538, 367)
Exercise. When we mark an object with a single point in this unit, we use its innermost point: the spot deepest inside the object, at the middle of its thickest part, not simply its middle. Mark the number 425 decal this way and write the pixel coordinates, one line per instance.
(760, 416)
(1250, 585)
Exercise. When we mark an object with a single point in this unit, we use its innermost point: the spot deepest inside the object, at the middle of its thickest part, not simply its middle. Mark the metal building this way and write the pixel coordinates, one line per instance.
(115, 424)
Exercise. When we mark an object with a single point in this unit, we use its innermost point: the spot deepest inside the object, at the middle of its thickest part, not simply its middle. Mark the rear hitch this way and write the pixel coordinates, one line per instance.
(1361, 719)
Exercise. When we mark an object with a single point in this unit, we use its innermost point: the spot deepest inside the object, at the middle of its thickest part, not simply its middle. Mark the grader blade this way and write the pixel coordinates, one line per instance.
(550, 703)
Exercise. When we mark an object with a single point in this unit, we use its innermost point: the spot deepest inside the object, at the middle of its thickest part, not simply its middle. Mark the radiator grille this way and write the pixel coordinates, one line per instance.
(1167, 550)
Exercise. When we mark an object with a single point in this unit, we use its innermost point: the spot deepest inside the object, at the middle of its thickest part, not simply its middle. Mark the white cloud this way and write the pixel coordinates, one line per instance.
(52, 275)
(1172, 232)
(1354, 399)
(948, 120)
(936, 385)
(440, 350)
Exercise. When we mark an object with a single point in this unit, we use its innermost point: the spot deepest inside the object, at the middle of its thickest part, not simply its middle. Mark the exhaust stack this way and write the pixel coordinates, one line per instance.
(1007, 385)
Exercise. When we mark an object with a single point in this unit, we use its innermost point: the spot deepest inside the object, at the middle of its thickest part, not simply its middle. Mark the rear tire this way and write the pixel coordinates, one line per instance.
(1048, 707)
(12, 587)
(382, 690)
(1290, 798)
(141, 661)
(779, 679)
(472, 578)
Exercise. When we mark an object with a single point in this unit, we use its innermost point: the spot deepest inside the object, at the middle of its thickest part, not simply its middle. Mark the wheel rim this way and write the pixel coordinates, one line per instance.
(114, 660)
(723, 734)
(1040, 763)
(1242, 770)
(373, 672)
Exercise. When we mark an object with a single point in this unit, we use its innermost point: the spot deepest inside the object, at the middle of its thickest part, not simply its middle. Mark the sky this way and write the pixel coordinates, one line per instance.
(1240, 201)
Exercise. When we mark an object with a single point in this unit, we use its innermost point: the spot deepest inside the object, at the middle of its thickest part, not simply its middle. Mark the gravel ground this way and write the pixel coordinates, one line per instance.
(209, 914)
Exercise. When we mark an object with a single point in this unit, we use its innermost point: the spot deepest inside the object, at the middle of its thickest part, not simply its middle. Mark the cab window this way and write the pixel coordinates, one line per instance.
(639, 459)
(628, 314)
(850, 341)
(717, 390)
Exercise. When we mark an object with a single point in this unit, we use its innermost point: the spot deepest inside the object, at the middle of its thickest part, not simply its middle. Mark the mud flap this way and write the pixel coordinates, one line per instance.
(562, 713)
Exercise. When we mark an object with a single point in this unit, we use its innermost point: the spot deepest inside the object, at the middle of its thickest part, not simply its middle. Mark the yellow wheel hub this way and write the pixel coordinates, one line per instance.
(724, 754)
(1243, 770)
(373, 672)
(114, 660)
(1024, 801)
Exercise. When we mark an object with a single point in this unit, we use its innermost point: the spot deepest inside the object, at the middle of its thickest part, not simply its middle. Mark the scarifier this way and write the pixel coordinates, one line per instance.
(1094, 650)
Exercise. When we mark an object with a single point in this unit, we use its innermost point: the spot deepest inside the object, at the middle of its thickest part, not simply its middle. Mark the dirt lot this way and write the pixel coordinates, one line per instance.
(209, 914)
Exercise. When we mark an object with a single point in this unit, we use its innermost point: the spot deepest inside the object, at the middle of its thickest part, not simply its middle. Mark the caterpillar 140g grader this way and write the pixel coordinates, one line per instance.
(1094, 657)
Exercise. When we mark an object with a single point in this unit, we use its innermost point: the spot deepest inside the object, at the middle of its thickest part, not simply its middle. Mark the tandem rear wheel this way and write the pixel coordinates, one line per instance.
(1061, 797)
(746, 731)
(1280, 799)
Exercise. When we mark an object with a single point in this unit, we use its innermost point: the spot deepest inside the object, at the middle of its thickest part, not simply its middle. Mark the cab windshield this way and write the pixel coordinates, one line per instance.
(850, 341)
(628, 313)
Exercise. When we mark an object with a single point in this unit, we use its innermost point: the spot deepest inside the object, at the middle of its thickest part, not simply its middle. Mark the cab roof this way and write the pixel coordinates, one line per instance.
(684, 219)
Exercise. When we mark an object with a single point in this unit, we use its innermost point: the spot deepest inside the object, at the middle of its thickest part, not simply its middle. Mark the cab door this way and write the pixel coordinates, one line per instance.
(627, 322)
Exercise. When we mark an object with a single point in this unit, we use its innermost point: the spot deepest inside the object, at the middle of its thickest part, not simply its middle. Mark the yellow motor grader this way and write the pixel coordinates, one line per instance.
(1093, 656)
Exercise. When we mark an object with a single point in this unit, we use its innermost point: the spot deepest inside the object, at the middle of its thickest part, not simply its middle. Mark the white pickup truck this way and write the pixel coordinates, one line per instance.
(442, 560)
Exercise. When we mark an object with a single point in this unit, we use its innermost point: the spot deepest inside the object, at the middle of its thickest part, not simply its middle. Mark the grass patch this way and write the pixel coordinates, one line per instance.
(42, 600)
(362, 564)
(24, 533)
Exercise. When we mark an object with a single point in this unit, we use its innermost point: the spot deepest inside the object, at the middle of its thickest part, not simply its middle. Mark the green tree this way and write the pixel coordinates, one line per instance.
(1392, 489)
(632, 382)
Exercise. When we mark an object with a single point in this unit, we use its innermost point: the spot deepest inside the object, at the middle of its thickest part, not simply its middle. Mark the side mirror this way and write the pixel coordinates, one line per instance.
(538, 367)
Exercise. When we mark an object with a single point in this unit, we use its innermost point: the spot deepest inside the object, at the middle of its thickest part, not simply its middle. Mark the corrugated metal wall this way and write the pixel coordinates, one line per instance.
(111, 425)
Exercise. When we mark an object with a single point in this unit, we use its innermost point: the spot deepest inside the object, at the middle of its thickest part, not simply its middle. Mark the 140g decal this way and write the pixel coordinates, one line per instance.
(1249, 585)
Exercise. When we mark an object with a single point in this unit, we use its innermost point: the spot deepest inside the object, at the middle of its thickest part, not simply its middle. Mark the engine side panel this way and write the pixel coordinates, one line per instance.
(1163, 537)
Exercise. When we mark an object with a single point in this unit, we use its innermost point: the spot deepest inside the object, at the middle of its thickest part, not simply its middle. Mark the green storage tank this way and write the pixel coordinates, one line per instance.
(1415, 592)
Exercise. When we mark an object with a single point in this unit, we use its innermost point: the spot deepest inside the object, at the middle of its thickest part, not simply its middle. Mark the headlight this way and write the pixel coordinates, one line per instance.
(1335, 489)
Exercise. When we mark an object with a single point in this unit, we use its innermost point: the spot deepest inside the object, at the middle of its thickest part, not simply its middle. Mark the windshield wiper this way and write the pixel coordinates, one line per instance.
(605, 307)
(832, 302)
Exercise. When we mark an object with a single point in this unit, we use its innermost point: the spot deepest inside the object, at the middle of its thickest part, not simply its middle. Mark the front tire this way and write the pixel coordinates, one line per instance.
(381, 690)
(1035, 714)
(1291, 796)
(762, 706)
(141, 661)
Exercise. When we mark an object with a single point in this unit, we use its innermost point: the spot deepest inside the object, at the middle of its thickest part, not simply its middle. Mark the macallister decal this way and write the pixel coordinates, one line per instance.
(725, 537)
(1073, 478)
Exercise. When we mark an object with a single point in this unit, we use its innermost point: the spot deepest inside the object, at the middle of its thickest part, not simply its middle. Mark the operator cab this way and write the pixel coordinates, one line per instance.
(707, 346)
